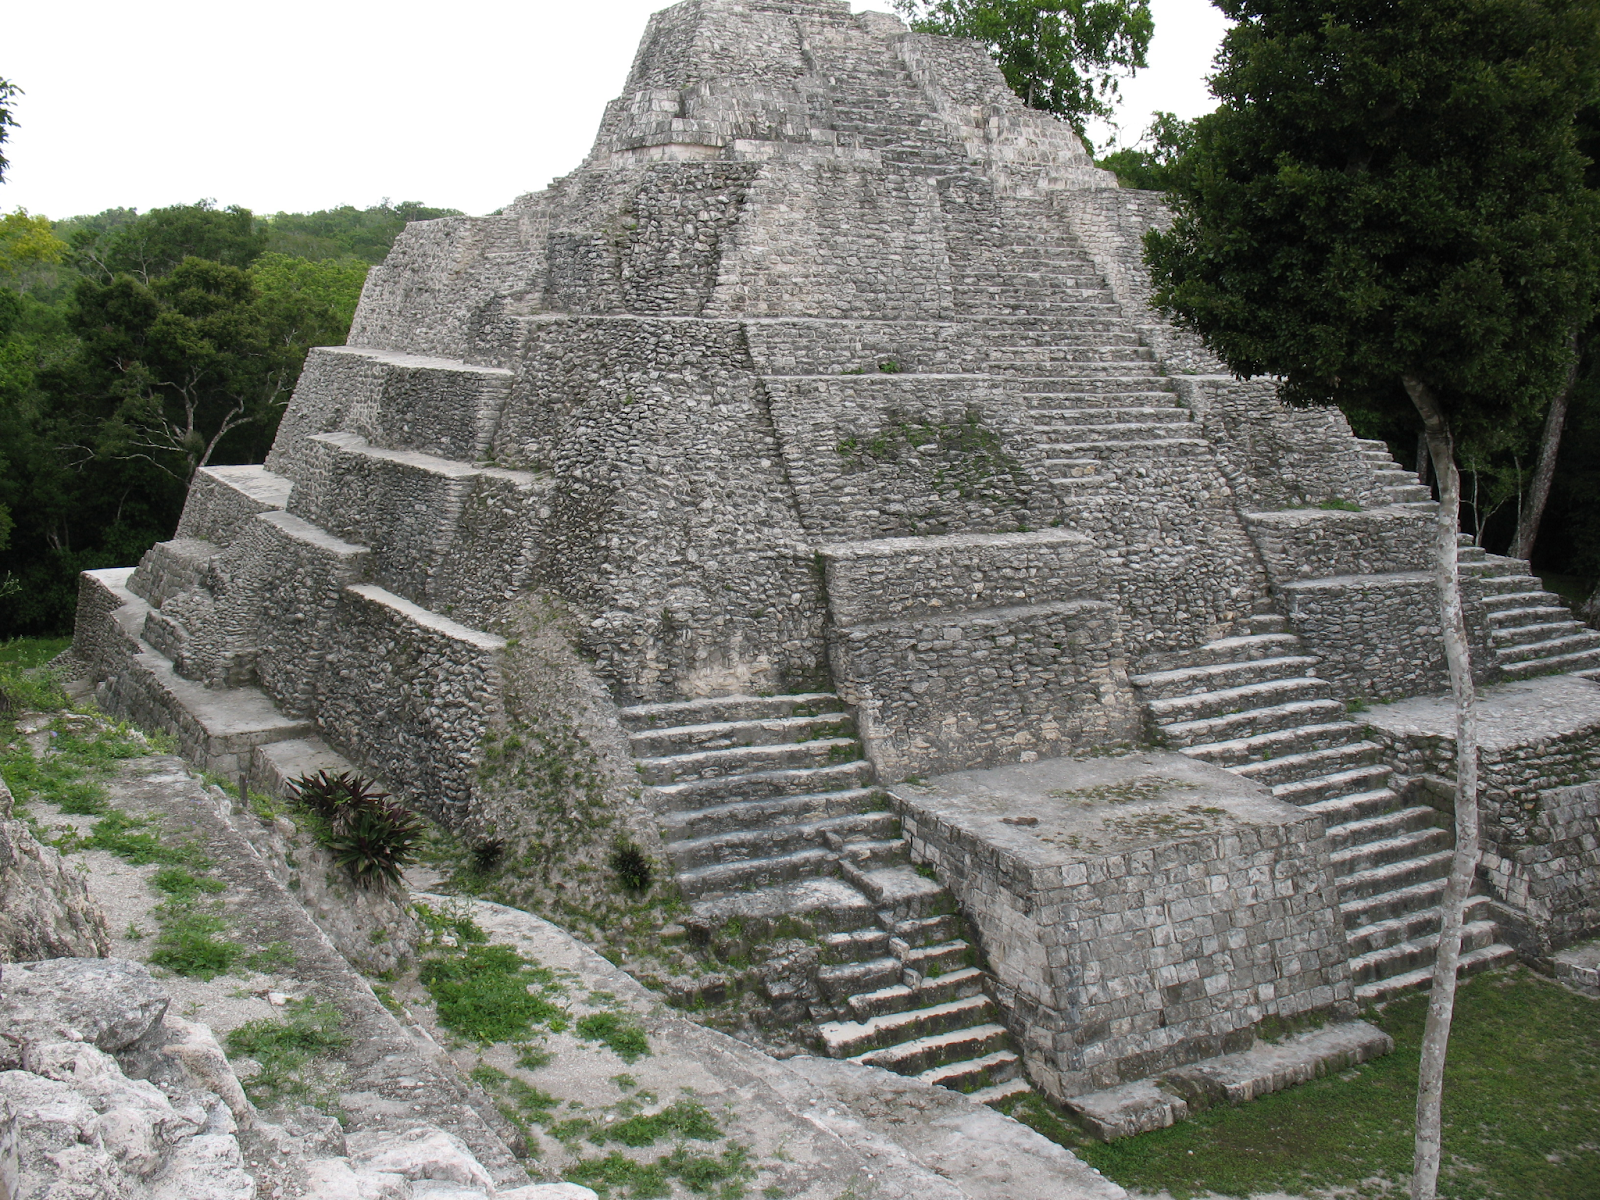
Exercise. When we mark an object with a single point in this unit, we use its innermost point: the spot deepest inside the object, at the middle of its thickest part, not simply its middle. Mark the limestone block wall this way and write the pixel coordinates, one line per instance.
(878, 455)
(1314, 543)
(416, 691)
(669, 523)
(973, 649)
(1378, 636)
(836, 239)
(801, 346)
(222, 500)
(1137, 913)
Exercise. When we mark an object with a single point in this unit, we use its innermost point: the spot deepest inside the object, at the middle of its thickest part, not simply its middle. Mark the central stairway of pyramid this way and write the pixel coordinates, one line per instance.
(815, 436)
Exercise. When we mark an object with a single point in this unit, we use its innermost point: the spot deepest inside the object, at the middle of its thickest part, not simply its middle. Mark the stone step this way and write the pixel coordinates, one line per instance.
(1409, 926)
(823, 905)
(927, 931)
(924, 1053)
(1237, 727)
(856, 945)
(1309, 764)
(842, 981)
(897, 997)
(1221, 702)
(1057, 357)
(697, 794)
(1392, 876)
(1000, 1092)
(1510, 602)
(900, 891)
(742, 760)
(1505, 634)
(1265, 748)
(1377, 826)
(1211, 677)
(1087, 385)
(847, 1039)
(936, 958)
(1413, 844)
(1335, 786)
(974, 1074)
(1052, 420)
(1384, 973)
(762, 842)
(1269, 637)
(1583, 661)
(678, 713)
(766, 813)
(752, 873)
(1563, 646)
(1364, 911)
(1070, 404)
(1536, 615)
(1082, 434)
(722, 735)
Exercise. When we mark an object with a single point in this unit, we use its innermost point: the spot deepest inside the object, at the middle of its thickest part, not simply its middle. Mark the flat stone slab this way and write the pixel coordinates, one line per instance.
(1265, 1068)
(1509, 714)
(1579, 967)
(1064, 810)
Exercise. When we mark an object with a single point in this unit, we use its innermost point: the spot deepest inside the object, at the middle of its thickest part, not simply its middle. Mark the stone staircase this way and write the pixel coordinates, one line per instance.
(1251, 705)
(776, 831)
(1531, 631)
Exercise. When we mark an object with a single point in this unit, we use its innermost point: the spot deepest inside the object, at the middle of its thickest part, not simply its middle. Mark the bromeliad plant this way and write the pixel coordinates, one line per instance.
(369, 833)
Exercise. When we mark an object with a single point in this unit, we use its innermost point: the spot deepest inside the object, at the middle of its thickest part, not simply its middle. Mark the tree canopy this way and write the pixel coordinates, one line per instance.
(1065, 58)
(1391, 190)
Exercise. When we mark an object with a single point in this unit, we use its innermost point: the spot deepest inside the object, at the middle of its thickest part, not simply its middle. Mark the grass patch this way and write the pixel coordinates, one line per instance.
(616, 1030)
(70, 775)
(273, 957)
(1521, 1111)
(484, 993)
(188, 944)
(176, 881)
(681, 1119)
(25, 654)
(286, 1049)
(131, 838)
(723, 1175)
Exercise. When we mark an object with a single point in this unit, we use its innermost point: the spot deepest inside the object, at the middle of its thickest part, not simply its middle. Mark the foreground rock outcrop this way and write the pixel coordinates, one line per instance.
(45, 909)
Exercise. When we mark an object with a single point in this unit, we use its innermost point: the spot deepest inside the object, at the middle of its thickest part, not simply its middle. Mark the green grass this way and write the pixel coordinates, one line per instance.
(681, 1119)
(71, 775)
(723, 1175)
(618, 1031)
(482, 992)
(188, 944)
(285, 1049)
(1521, 1112)
(23, 654)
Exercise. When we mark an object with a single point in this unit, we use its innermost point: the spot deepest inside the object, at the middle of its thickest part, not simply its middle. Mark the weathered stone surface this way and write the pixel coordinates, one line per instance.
(45, 910)
(193, 1044)
(109, 1002)
(1139, 912)
(425, 1152)
(1579, 967)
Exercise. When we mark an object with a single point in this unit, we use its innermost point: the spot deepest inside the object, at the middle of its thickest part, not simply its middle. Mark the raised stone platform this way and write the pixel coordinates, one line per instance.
(1138, 913)
(1539, 753)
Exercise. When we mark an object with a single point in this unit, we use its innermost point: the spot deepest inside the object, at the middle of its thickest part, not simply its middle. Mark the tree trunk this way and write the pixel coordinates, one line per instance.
(1463, 866)
(1545, 470)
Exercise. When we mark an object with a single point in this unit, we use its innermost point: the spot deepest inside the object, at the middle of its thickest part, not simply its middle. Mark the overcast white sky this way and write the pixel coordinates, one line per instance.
(307, 104)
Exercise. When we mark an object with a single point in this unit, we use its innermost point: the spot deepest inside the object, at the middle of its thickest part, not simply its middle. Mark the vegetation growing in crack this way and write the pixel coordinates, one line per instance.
(962, 459)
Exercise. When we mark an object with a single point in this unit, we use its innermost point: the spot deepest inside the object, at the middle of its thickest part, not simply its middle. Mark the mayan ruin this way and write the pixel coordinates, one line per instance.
(801, 505)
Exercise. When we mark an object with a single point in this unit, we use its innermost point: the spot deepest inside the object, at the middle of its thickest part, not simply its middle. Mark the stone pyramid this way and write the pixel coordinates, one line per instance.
(821, 417)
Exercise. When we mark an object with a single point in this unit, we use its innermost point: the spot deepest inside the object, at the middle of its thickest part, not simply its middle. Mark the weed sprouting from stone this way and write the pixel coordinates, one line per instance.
(188, 944)
(370, 835)
(633, 868)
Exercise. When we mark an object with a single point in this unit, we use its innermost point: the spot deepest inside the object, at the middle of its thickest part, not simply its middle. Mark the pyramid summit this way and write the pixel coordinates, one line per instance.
(813, 439)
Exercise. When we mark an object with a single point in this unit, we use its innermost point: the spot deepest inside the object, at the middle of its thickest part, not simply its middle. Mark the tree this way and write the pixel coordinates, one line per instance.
(1389, 208)
(1061, 57)
(8, 120)
(26, 243)
(1151, 162)
(364, 233)
(151, 245)
(183, 361)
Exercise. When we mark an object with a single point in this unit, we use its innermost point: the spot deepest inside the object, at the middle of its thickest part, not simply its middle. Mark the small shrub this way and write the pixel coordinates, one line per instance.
(486, 855)
(633, 868)
(371, 836)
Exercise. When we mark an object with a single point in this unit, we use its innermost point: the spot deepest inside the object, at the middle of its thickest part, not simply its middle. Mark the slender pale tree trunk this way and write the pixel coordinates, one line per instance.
(1545, 471)
(1463, 866)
